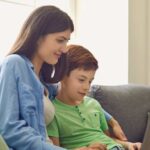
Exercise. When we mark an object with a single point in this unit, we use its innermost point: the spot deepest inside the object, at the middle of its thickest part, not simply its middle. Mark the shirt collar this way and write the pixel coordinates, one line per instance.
(29, 63)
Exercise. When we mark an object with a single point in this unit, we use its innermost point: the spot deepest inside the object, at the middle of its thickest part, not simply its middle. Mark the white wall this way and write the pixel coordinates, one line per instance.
(102, 27)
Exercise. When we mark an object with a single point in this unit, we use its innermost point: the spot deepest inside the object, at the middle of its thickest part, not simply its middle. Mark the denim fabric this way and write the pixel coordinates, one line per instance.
(117, 148)
(21, 106)
(107, 115)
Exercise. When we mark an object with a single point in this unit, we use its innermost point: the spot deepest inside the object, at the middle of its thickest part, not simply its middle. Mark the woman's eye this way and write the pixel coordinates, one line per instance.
(60, 41)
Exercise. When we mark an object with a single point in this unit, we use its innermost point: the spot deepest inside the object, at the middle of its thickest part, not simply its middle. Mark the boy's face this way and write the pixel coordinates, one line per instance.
(77, 84)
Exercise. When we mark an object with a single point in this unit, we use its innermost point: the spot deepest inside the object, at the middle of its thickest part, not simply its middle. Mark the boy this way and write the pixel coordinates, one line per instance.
(79, 120)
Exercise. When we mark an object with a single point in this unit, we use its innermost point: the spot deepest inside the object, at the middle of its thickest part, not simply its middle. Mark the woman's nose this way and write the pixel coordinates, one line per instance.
(64, 49)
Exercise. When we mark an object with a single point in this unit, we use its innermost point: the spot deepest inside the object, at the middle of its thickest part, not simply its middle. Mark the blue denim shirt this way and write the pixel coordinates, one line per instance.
(21, 106)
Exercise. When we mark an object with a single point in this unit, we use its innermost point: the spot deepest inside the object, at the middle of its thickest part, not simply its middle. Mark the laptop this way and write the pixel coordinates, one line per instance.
(146, 141)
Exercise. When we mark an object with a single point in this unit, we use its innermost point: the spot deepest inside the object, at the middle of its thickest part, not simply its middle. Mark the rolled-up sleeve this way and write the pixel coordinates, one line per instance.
(107, 115)
(14, 129)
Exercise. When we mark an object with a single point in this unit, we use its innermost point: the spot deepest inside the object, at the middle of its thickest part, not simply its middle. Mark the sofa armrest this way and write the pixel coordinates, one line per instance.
(147, 134)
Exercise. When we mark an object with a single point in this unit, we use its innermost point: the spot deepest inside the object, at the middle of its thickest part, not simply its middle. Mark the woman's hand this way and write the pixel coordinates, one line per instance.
(137, 146)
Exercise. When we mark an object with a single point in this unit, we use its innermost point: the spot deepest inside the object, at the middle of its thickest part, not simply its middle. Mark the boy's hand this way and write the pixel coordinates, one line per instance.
(98, 146)
(89, 148)
(83, 148)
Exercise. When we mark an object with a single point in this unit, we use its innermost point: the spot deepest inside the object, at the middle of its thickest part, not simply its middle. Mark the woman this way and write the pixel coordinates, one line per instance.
(25, 74)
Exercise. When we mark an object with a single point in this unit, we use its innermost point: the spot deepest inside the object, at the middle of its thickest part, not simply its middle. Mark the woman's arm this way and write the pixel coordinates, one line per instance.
(14, 129)
(117, 130)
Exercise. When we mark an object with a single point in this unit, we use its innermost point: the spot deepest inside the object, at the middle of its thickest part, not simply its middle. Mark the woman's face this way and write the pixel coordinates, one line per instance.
(51, 46)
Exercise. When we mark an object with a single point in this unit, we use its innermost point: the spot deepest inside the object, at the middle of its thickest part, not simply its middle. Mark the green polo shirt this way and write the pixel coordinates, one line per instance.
(78, 126)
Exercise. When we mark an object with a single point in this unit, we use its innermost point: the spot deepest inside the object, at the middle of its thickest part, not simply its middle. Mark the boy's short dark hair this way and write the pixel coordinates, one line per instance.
(80, 57)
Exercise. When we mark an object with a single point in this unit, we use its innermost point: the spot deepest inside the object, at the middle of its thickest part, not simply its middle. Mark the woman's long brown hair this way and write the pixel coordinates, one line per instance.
(44, 20)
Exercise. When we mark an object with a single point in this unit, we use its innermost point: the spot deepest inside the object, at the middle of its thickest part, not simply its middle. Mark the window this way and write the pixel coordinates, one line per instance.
(102, 27)
(12, 17)
(13, 13)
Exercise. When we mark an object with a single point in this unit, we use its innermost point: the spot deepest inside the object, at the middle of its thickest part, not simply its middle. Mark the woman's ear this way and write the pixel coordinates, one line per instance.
(40, 40)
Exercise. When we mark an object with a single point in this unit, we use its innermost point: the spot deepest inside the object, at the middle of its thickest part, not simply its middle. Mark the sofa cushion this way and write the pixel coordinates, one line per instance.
(129, 104)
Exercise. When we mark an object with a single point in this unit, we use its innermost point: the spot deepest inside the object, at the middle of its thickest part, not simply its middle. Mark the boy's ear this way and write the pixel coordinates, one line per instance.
(63, 81)
(64, 78)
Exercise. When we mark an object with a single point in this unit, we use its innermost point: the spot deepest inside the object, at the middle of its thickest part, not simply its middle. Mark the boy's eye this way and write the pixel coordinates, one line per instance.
(90, 82)
(81, 80)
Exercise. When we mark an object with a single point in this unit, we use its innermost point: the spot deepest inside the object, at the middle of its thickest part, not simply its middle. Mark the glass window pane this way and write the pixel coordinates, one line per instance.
(12, 17)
